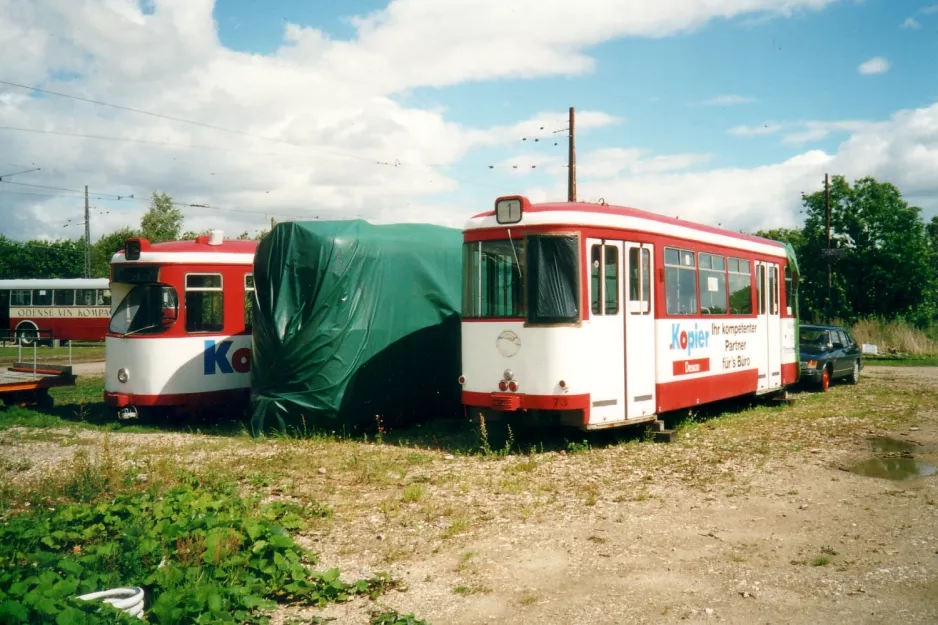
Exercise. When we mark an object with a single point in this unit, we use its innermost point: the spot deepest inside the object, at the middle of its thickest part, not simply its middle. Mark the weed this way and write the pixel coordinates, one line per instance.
(458, 526)
(413, 493)
(578, 448)
(476, 589)
(391, 617)
(829, 551)
(484, 437)
(820, 561)
(528, 599)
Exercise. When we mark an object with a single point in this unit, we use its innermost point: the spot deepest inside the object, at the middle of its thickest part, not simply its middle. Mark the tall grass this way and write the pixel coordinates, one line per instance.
(895, 337)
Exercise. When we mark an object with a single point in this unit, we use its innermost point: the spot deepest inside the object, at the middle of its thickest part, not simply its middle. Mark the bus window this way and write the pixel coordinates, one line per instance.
(21, 297)
(595, 285)
(85, 297)
(104, 297)
(248, 301)
(712, 284)
(42, 297)
(680, 282)
(64, 298)
(740, 287)
(204, 303)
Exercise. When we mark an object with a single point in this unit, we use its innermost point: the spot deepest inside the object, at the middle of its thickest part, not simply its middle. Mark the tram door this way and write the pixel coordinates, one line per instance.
(639, 311)
(767, 294)
(606, 331)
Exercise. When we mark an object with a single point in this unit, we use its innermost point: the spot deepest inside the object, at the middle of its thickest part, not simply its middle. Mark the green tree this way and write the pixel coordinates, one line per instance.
(62, 258)
(883, 267)
(162, 221)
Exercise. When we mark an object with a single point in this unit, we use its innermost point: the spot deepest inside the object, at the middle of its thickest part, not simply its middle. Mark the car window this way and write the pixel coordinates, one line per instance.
(839, 338)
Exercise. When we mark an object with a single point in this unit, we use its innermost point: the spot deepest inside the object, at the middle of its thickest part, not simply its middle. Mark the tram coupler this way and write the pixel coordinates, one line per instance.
(128, 412)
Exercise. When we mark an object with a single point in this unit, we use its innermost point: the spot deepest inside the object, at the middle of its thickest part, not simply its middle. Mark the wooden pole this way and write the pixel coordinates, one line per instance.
(571, 174)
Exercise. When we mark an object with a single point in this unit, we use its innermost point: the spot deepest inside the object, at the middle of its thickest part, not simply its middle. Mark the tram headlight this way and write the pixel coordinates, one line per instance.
(123, 375)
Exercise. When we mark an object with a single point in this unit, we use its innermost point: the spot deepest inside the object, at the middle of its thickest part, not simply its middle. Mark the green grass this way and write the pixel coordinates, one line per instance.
(924, 361)
(81, 352)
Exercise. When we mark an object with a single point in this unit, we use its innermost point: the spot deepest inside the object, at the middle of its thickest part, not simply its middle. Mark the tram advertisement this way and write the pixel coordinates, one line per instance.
(718, 346)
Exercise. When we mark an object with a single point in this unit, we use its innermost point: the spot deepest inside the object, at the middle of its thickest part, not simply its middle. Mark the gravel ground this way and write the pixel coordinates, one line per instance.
(749, 518)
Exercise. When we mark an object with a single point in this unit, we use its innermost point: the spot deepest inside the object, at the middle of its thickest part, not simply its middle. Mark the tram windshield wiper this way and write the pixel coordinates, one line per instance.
(152, 327)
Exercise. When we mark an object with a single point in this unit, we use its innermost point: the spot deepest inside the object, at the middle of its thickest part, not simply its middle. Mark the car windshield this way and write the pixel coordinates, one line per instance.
(147, 309)
(814, 337)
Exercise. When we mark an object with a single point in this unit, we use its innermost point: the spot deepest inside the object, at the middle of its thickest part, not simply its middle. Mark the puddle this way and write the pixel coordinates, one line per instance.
(884, 444)
(898, 469)
(894, 461)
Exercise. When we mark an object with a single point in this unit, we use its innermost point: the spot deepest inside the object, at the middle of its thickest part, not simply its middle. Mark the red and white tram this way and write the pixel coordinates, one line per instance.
(180, 329)
(601, 316)
(70, 309)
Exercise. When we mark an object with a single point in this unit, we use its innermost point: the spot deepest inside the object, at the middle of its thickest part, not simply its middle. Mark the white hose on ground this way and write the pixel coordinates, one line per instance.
(130, 600)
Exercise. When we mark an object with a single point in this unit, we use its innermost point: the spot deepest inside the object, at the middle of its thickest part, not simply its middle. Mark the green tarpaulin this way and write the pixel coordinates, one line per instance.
(353, 321)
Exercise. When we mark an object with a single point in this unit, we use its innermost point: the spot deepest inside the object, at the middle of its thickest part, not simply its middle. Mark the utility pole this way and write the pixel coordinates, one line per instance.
(87, 236)
(571, 173)
(827, 203)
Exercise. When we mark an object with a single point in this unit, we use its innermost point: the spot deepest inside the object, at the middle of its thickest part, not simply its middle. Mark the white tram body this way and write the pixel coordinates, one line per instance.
(603, 316)
(180, 329)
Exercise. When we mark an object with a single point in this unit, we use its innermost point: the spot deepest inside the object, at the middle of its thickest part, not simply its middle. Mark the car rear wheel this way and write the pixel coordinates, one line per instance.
(855, 374)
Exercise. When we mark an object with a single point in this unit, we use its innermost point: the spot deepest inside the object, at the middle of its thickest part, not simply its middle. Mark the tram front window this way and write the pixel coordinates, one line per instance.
(534, 278)
(147, 309)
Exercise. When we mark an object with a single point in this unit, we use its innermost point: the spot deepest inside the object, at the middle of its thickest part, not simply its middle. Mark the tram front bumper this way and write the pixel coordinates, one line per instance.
(512, 402)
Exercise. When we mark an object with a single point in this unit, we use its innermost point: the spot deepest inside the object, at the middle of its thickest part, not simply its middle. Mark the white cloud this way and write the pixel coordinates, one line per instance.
(334, 98)
(817, 130)
(875, 65)
(902, 150)
(612, 162)
(912, 23)
(726, 100)
(755, 131)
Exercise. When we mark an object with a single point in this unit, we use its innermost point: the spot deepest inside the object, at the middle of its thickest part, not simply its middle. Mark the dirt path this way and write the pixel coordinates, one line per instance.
(748, 518)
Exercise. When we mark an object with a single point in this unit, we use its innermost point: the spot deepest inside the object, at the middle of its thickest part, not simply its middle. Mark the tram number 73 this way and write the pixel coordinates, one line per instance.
(560, 402)
(216, 357)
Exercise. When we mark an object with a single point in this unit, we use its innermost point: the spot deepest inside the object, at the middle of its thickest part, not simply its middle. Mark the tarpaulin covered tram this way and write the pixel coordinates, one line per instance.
(355, 321)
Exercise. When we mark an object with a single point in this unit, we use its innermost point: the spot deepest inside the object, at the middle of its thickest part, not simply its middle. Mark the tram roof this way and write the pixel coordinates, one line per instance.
(588, 215)
(230, 252)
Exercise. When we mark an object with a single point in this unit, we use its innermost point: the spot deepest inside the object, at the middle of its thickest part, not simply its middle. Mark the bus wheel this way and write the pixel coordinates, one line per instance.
(27, 337)
(825, 379)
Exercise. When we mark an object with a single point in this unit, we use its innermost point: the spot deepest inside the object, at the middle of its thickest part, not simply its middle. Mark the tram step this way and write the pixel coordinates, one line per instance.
(665, 436)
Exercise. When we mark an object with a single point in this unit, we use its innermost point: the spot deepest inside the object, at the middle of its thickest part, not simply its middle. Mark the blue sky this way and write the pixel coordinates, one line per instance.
(681, 109)
(798, 68)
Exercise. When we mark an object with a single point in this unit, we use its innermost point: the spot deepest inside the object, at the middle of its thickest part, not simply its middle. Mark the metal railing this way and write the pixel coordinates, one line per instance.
(15, 336)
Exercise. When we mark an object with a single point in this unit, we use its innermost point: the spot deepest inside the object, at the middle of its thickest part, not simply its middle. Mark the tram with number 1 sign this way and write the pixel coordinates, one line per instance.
(598, 316)
(180, 328)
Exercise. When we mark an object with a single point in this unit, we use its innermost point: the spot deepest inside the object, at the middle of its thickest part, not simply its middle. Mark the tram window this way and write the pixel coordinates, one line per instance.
(493, 286)
(64, 298)
(553, 279)
(773, 290)
(248, 301)
(42, 297)
(204, 303)
(20, 297)
(712, 284)
(740, 287)
(611, 277)
(595, 270)
(639, 281)
(760, 287)
(146, 309)
(789, 291)
(680, 282)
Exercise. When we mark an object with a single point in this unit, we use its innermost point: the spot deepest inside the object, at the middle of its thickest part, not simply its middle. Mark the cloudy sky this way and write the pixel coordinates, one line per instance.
(416, 110)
